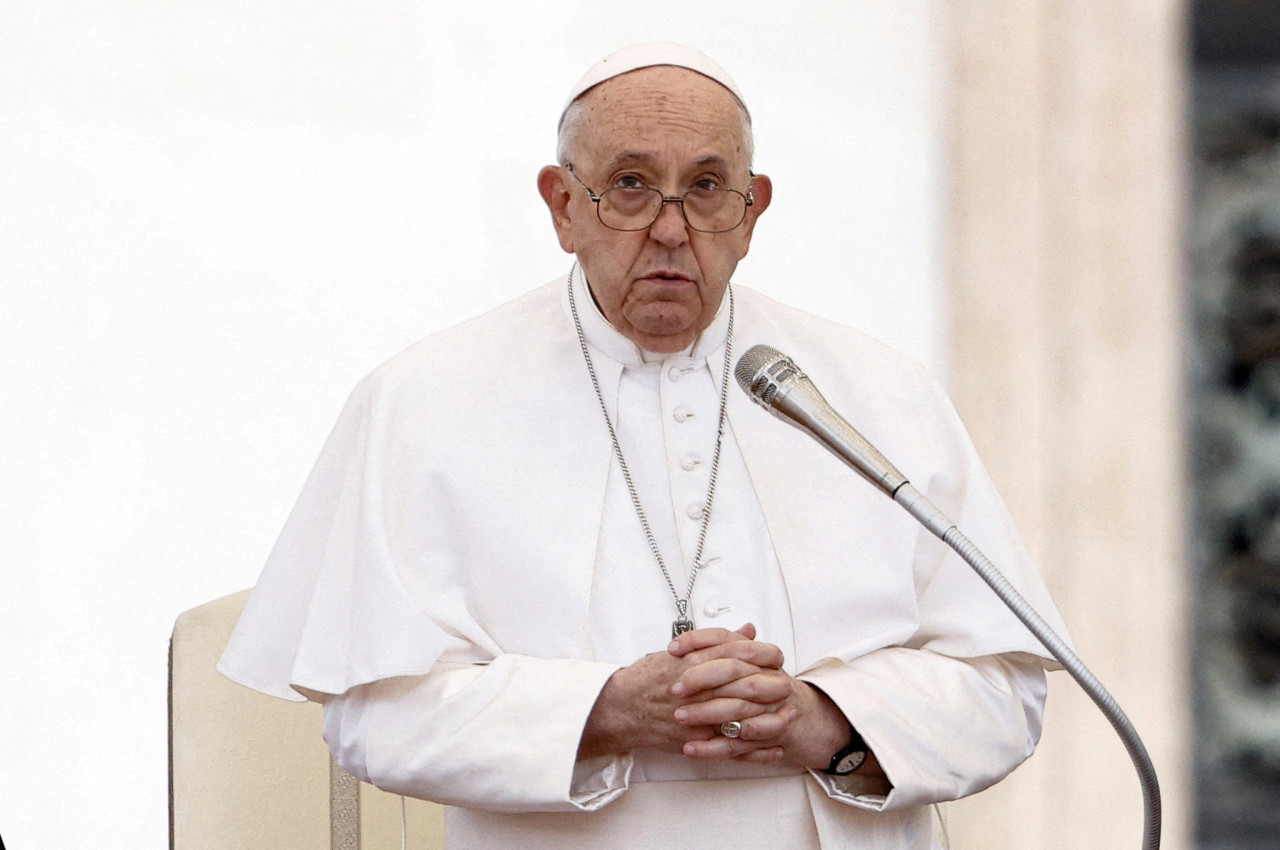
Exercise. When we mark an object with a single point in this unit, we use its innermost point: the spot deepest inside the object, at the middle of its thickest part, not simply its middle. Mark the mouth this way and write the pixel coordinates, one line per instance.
(668, 278)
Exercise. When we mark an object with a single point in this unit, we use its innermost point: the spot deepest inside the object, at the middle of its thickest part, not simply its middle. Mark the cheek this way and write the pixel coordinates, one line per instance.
(609, 260)
(717, 263)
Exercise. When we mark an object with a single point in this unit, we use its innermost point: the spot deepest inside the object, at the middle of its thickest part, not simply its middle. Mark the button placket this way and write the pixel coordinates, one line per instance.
(688, 387)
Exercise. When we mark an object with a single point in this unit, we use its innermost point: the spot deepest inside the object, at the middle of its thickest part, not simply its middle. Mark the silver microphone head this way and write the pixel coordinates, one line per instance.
(777, 384)
(764, 371)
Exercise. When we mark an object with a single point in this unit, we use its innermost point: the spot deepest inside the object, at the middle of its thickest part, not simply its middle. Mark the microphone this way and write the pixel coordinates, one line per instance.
(775, 382)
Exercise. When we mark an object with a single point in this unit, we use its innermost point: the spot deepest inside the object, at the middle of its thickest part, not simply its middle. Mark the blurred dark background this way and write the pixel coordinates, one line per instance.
(1234, 307)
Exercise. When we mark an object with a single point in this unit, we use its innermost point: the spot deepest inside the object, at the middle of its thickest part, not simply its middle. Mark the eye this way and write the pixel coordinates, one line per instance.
(707, 183)
(629, 181)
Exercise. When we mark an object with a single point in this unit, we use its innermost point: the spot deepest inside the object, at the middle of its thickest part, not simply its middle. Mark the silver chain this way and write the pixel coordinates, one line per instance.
(682, 604)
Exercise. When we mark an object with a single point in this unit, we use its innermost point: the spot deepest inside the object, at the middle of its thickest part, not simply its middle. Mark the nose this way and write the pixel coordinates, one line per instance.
(670, 227)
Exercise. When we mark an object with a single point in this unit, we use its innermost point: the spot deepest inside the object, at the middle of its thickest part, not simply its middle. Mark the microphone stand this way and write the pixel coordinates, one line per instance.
(933, 519)
(775, 383)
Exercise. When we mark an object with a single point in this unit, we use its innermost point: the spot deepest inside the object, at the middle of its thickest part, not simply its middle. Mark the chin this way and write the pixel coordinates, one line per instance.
(678, 330)
(666, 345)
(655, 336)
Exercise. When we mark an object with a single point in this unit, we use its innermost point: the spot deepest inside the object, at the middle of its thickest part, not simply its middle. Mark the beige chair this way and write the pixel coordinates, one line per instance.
(251, 771)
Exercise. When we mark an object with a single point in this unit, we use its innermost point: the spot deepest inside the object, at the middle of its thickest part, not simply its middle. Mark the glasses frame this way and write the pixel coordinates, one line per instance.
(666, 199)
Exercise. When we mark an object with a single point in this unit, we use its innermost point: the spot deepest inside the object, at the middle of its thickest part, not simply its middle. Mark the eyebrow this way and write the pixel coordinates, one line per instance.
(626, 157)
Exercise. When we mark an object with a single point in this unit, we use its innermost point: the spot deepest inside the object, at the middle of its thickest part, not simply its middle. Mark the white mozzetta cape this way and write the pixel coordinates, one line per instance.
(454, 512)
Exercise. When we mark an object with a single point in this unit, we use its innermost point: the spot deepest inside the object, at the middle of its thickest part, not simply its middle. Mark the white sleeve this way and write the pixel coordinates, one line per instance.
(501, 736)
(942, 728)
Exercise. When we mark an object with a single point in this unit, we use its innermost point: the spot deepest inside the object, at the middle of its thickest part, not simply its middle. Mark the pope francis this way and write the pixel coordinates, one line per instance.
(550, 571)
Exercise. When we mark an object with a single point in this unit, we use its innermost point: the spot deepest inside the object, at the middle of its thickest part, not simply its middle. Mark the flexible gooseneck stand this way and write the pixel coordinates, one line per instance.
(934, 520)
(775, 382)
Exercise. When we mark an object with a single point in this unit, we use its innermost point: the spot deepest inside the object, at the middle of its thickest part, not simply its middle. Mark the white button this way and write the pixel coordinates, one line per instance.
(690, 463)
(680, 414)
(674, 373)
(695, 510)
(712, 609)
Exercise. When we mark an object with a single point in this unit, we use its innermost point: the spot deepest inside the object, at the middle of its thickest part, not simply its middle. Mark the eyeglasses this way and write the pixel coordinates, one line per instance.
(637, 208)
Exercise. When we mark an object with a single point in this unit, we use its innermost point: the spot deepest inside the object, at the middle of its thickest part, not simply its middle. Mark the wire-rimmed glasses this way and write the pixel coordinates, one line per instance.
(629, 208)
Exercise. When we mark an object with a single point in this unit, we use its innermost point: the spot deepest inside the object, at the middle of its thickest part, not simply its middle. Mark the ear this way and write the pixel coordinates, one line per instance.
(761, 195)
(555, 192)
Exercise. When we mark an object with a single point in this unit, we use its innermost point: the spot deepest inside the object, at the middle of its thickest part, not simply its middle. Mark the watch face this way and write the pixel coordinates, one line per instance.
(850, 762)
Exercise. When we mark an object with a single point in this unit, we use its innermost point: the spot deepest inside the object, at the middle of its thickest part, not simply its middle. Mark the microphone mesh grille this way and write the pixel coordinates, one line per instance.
(751, 364)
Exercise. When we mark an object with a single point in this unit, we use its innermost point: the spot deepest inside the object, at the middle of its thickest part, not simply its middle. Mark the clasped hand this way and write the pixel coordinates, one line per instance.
(676, 700)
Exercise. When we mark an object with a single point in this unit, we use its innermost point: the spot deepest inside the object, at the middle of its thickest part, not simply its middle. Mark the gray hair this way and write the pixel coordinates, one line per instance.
(571, 127)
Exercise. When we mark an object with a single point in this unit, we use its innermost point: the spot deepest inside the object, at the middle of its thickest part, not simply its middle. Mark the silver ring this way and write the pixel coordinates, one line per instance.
(731, 728)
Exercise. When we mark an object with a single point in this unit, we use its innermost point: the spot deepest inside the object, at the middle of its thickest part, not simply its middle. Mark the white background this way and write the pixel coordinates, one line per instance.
(215, 217)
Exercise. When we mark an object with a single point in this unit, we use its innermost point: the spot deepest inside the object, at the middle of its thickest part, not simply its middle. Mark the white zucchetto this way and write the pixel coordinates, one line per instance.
(639, 56)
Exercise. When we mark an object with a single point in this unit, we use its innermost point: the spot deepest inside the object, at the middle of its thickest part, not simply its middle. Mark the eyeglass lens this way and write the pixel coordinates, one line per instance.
(708, 210)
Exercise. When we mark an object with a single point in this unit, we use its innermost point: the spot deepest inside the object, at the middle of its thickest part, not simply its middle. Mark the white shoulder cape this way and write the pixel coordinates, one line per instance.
(454, 511)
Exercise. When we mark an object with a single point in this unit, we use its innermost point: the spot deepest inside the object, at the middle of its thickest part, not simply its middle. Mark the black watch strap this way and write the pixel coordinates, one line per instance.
(850, 757)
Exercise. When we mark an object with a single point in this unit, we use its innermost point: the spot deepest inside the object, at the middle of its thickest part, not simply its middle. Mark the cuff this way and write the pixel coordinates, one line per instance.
(865, 792)
(599, 781)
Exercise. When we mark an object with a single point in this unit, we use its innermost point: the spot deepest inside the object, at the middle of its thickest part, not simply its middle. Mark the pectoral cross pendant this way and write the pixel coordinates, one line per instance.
(682, 623)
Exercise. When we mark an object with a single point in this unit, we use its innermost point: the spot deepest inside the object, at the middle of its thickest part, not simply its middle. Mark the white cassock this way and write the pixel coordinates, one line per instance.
(464, 570)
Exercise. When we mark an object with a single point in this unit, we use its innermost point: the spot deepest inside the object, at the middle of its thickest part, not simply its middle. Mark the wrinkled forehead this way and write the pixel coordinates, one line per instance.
(640, 56)
(660, 112)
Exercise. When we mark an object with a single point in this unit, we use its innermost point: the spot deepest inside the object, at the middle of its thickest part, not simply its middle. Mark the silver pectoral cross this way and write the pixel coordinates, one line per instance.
(681, 623)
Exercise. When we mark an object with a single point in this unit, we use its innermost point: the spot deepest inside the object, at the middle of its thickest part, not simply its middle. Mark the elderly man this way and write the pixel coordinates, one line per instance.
(550, 571)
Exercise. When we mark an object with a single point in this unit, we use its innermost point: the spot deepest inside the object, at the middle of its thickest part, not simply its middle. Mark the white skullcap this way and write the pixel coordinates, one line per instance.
(639, 56)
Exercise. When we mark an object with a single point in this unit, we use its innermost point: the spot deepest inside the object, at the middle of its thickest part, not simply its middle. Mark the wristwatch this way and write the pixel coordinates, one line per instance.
(850, 757)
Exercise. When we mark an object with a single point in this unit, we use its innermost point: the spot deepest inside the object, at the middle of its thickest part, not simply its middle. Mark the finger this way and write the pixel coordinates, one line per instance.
(720, 748)
(711, 674)
(747, 630)
(764, 728)
(755, 652)
(762, 686)
(748, 680)
(715, 712)
(703, 638)
(768, 725)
